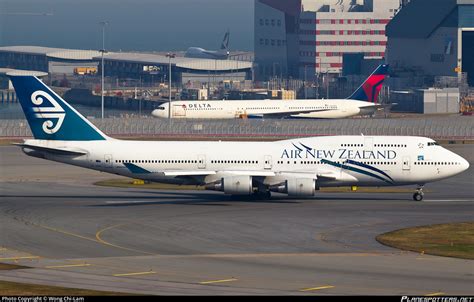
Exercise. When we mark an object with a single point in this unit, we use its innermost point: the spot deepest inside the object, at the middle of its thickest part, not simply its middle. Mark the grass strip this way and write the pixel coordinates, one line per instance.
(449, 240)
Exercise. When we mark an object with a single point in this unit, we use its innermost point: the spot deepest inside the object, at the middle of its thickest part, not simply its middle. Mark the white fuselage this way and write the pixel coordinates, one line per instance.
(330, 161)
(200, 53)
(328, 109)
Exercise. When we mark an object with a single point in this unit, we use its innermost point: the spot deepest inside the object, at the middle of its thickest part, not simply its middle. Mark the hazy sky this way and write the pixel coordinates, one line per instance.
(133, 24)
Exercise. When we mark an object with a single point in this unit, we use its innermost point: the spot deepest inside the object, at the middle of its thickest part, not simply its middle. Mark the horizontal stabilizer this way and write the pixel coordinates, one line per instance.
(57, 151)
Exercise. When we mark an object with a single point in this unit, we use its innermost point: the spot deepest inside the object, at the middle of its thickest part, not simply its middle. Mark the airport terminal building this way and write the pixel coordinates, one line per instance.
(145, 67)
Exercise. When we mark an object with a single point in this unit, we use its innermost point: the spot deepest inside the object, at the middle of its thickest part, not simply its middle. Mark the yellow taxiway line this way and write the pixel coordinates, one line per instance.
(317, 288)
(435, 294)
(100, 240)
(218, 281)
(68, 265)
(134, 274)
(20, 258)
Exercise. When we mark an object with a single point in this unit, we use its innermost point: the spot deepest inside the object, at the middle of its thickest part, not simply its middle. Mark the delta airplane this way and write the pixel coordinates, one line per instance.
(221, 54)
(297, 167)
(362, 102)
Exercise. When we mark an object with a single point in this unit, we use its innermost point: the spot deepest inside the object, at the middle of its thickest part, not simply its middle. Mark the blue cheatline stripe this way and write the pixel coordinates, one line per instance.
(368, 167)
(308, 148)
(355, 170)
(136, 169)
(297, 147)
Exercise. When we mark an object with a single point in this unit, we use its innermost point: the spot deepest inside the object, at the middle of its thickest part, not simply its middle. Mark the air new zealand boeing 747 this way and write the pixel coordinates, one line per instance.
(297, 167)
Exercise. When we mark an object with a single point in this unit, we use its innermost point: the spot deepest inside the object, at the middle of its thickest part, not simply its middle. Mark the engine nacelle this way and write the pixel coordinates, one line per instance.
(233, 185)
(237, 185)
(296, 187)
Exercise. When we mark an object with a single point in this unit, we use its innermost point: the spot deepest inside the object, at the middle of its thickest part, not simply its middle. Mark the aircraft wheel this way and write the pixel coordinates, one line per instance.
(418, 196)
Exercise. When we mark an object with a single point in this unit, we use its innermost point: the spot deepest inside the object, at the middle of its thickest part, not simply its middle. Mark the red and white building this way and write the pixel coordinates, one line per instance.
(330, 28)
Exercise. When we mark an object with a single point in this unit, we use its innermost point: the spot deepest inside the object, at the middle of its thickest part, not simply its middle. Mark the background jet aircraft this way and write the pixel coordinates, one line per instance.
(221, 54)
(362, 102)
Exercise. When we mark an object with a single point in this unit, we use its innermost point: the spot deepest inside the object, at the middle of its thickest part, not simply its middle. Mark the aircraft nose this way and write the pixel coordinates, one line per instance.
(156, 113)
(464, 164)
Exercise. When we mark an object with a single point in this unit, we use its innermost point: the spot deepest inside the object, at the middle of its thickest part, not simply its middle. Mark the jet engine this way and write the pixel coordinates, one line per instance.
(296, 187)
(233, 185)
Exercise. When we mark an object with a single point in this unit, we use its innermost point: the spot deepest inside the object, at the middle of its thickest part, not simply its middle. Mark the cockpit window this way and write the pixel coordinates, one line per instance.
(433, 144)
(161, 108)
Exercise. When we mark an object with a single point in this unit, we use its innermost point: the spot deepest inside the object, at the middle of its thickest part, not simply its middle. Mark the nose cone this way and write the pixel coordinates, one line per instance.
(159, 113)
(464, 165)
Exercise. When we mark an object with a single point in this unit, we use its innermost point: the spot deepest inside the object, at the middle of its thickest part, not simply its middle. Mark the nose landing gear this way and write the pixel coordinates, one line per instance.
(418, 196)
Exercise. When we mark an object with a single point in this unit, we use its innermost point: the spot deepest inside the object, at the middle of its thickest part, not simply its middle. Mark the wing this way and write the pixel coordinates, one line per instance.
(282, 115)
(135, 169)
(326, 175)
(379, 106)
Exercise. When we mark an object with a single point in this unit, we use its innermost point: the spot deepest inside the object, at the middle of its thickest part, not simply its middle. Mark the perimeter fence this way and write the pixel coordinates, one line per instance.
(453, 127)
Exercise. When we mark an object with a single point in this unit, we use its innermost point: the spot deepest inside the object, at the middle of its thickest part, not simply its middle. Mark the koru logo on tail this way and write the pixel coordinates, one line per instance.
(54, 112)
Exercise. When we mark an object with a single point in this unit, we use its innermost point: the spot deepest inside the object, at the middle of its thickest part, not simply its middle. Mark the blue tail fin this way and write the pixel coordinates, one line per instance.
(49, 116)
(370, 89)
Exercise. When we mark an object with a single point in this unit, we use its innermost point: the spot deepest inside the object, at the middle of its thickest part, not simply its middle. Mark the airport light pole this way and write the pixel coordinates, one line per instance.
(170, 56)
(103, 51)
(304, 84)
(327, 84)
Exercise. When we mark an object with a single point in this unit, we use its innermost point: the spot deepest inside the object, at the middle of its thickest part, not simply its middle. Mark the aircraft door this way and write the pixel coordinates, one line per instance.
(268, 162)
(368, 143)
(406, 163)
(201, 161)
(179, 111)
(108, 161)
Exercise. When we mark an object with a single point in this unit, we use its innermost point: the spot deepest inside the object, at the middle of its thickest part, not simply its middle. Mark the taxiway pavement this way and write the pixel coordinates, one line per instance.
(75, 234)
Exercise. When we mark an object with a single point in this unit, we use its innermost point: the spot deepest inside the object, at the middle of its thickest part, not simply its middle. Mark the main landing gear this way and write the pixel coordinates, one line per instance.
(418, 196)
(263, 195)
